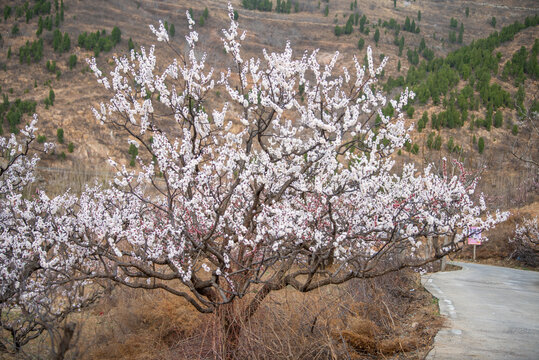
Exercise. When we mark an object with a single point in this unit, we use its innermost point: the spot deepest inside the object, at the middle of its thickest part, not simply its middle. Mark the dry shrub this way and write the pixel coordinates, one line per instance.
(392, 315)
(138, 324)
(373, 318)
(360, 342)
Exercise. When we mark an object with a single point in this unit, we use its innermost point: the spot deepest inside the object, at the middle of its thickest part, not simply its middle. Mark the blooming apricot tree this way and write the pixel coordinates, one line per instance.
(38, 253)
(289, 182)
(526, 242)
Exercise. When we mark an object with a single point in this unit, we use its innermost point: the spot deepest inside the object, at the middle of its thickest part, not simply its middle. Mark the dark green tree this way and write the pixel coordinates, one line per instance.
(39, 26)
(66, 43)
(360, 43)
(72, 62)
(52, 97)
(377, 36)
(116, 35)
(7, 12)
(422, 123)
(481, 145)
(438, 142)
(15, 30)
(349, 25)
(407, 24)
(452, 37)
(57, 40)
(422, 45)
(133, 151)
(130, 44)
(362, 22)
(498, 119)
(60, 135)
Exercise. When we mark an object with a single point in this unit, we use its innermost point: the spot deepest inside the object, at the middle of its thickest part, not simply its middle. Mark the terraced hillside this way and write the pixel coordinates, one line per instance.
(439, 29)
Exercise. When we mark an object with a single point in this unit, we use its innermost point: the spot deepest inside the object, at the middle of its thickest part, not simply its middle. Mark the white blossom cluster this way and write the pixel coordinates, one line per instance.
(527, 233)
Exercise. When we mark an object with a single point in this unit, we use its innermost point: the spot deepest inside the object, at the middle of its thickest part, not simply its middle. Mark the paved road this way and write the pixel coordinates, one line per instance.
(493, 313)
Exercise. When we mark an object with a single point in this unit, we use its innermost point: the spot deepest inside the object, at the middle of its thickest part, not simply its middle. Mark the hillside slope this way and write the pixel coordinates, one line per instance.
(507, 182)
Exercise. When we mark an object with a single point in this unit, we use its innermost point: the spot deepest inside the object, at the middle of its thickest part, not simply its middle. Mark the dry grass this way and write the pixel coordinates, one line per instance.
(135, 324)
(392, 315)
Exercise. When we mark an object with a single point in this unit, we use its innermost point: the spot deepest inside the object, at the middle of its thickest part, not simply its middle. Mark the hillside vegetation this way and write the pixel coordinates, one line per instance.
(472, 65)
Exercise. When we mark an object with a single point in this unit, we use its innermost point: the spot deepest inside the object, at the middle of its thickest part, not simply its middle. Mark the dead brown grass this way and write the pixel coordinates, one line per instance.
(139, 325)
(392, 315)
(392, 319)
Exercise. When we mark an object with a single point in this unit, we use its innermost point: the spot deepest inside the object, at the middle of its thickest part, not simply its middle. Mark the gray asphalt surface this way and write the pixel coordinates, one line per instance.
(493, 313)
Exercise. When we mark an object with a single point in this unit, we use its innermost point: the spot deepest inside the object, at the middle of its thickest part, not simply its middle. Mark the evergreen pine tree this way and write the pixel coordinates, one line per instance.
(498, 119)
(60, 135)
(52, 97)
(360, 43)
(481, 145)
(377, 36)
(66, 43)
(116, 35)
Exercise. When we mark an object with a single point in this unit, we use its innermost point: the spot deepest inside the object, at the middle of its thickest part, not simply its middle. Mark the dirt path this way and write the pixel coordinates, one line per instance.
(493, 313)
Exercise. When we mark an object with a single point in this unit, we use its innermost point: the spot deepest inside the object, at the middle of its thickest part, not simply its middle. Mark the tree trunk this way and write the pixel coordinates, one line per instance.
(233, 319)
(231, 329)
(63, 347)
